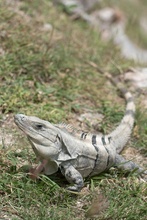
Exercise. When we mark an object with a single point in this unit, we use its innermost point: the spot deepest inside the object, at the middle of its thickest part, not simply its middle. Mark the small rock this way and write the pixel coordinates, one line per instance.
(47, 27)
(92, 118)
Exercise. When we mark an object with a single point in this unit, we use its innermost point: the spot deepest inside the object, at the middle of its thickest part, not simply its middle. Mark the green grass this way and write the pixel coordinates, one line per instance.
(46, 74)
(141, 131)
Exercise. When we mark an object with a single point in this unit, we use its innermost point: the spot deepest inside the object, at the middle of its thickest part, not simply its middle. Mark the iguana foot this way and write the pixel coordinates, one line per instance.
(76, 187)
(34, 172)
(74, 177)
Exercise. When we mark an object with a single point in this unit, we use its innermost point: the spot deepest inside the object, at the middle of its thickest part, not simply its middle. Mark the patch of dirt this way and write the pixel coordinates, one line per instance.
(7, 129)
(5, 215)
(89, 121)
(133, 154)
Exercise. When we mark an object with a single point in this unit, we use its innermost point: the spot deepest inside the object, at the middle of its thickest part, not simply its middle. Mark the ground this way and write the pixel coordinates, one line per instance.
(46, 71)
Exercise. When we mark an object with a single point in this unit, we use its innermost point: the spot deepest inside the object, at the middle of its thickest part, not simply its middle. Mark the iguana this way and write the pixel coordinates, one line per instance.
(79, 155)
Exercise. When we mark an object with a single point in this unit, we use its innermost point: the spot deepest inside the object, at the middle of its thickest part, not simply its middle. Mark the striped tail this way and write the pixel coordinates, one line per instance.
(122, 133)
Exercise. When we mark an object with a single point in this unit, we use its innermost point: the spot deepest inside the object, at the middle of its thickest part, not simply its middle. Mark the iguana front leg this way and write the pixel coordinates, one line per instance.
(122, 164)
(72, 176)
(34, 172)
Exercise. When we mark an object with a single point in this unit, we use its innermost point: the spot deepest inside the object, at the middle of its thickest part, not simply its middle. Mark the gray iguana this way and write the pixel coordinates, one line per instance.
(79, 155)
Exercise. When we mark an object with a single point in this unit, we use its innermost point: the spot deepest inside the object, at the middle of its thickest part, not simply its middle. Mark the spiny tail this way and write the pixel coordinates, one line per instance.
(122, 133)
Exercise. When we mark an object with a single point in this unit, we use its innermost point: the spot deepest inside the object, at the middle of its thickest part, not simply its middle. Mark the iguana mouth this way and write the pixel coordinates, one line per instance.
(20, 117)
(21, 121)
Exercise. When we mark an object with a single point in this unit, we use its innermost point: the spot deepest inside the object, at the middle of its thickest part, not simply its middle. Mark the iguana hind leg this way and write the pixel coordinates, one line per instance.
(72, 176)
(128, 166)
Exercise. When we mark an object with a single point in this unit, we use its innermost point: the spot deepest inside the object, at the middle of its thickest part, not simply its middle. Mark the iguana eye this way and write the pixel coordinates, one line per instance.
(38, 126)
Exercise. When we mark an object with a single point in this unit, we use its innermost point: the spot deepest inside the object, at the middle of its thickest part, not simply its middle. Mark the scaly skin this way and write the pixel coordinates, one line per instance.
(79, 155)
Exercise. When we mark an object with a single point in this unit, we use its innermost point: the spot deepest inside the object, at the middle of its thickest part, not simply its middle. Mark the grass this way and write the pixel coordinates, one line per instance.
(46, 73)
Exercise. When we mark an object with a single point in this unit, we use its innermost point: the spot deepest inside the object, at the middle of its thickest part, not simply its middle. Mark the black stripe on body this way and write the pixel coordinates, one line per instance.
(130, 112)
(108, 160)
(109, 139)
(83, 135)
(103, 140)
(94, 143)
(130, 99)
(94, 140)
(97, 155)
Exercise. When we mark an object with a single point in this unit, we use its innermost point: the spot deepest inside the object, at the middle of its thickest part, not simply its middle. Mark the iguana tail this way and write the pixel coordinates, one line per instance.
(122, 133)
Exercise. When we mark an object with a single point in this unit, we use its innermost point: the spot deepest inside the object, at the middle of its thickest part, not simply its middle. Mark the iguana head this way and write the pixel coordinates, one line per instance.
(42, 134)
